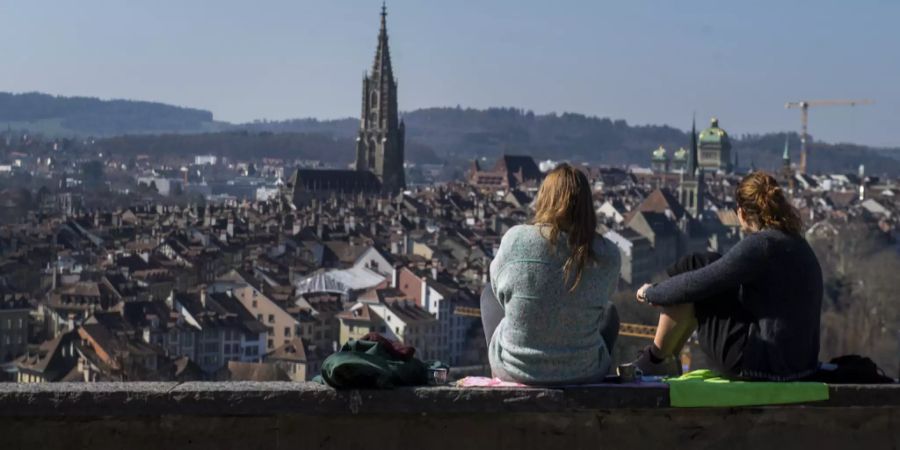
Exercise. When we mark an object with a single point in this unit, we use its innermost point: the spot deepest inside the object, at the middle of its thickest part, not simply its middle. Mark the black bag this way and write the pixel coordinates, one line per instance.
(852, 369)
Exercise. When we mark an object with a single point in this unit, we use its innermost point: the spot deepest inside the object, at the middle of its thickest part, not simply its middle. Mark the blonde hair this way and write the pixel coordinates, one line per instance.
(765, 205)
(565, 204)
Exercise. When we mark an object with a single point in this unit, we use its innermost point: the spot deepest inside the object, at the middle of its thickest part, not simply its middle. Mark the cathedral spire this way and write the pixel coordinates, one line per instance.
(692, 159)
(381, 68)
(381, 136)
(786, 156)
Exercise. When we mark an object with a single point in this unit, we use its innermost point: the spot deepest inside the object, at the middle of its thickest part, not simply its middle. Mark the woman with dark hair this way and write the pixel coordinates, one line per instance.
(757, 308)
(546, 312)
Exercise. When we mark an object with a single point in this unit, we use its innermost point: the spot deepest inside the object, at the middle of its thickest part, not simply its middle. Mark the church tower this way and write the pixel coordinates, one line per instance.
(379, 145)
(787, 173)
(692, 183)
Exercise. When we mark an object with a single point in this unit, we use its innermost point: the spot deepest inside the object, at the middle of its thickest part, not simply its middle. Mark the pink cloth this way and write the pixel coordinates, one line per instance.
(486, 382)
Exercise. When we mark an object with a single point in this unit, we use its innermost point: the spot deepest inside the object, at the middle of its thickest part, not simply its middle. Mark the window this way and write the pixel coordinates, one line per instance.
(259, 317)
(254, 304)
(351, 328)
(271, 343)
(271, 318)
(21, 323)
(287, 331)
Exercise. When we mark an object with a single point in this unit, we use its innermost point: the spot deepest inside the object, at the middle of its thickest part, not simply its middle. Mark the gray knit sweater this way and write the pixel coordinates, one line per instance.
(780, 283)
(549, 335)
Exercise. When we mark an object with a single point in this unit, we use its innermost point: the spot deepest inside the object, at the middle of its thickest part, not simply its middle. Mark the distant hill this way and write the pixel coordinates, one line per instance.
(457, 134)
(84, 116)
(234, 144)
(452, 135)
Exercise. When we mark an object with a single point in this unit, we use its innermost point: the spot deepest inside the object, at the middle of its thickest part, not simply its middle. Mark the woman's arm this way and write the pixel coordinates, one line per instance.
(744, 262)
(616, 261)
(499, 261)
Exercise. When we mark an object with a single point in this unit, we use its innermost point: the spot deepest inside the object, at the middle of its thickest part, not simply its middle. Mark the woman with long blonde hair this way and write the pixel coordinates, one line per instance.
(756, 309)
(546, 312)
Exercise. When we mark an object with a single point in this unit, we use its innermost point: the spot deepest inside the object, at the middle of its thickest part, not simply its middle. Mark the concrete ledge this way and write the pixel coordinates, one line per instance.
(248, 398)
(302, 415)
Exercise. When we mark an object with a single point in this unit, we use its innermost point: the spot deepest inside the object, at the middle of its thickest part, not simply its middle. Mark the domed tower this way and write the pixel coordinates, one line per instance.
(715, 148)
(679, 160)
(660, 160)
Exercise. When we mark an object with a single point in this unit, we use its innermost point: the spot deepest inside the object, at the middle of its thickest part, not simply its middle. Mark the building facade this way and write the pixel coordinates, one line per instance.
(14, 315)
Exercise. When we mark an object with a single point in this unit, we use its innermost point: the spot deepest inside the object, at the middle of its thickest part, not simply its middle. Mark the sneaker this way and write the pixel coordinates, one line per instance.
(653, 366)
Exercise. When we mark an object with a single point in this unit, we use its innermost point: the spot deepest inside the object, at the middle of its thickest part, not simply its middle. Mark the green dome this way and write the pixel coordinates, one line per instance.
(681, 154)
(659, 154)
(714, 134)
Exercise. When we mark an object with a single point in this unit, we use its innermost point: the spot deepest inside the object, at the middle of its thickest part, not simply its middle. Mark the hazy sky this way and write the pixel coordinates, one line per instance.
(646, 62)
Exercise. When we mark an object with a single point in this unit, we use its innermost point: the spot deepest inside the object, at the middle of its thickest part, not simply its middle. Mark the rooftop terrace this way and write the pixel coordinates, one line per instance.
(304, 415)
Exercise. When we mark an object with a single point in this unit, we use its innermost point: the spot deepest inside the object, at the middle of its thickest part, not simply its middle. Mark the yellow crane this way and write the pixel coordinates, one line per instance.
(625, 329)
(804, 106)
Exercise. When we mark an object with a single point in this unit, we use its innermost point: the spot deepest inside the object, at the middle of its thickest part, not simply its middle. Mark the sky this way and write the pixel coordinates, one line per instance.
(648, 62)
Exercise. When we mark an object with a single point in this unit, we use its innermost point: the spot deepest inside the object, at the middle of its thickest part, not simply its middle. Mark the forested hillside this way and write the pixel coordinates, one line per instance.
(452, 135)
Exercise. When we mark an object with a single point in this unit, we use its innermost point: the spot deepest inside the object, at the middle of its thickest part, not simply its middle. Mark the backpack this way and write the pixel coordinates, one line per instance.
(363, 364)
(852, 369)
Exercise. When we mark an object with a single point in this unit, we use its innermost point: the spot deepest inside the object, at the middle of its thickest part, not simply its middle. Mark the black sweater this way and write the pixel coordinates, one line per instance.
(780, 284)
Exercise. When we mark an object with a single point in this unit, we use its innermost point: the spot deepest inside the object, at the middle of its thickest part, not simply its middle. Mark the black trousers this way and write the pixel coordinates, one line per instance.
(722, 321)
(492, 313)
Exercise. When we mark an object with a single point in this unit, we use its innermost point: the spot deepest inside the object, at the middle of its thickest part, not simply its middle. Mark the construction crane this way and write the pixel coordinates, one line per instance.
(804, 106)
(625, 329)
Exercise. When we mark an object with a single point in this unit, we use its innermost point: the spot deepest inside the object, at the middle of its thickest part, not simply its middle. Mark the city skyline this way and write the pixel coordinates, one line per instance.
(295, 60)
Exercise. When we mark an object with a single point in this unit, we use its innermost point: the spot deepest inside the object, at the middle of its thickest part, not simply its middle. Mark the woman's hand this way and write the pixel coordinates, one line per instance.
(642, 293)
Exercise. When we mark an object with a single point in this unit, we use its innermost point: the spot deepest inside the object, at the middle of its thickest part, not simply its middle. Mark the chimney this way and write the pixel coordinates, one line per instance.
(203, 295)
(230, 227)
(434, 271)
(395, 277)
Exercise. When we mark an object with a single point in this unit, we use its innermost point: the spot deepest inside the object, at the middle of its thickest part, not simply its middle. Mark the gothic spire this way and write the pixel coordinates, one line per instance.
(381, 69)
(786, 156)
(692, 159)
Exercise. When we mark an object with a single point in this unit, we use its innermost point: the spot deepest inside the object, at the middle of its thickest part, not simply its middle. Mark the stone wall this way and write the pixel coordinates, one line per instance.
(302, 415)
